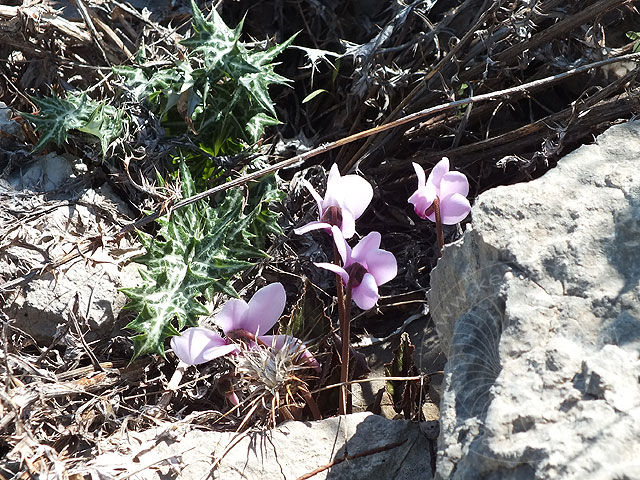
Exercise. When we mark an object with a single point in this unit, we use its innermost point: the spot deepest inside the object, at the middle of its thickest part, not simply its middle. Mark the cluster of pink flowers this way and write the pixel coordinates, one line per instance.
(440, 198)
(366, 266)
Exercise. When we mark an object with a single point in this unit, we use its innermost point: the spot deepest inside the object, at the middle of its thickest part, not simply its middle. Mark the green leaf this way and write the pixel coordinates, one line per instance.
(57, 116)
(211, 36)
(313, 95)
(631, 35)
(402, 392)
(256, 125)
(195, 253)
(106, 124)
(265, 57)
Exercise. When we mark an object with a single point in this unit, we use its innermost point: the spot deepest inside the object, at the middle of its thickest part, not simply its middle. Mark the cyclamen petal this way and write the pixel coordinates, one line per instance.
(421, 201)
(332, 194)
(231, 315)
(453, 182)
(348, 227)
(365, 247)
(382, 265)
(199, 345)
(341, 245)
(311, 226)
(366, 295)
(265, 308)
(335, 269)
(356, 194)
(455, 209)
(437, 172)
(422, 178)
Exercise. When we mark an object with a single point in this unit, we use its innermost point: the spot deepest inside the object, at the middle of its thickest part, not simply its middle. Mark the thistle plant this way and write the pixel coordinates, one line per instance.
(441, 197)
(57, 116)
(195, 253)
(360, 271)
(217, 94)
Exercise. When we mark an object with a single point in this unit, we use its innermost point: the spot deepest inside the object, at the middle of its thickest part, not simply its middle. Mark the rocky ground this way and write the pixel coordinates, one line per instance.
(526, 330)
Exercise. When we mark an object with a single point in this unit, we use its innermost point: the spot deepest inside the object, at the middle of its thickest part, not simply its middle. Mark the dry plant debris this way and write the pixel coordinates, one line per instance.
(358, 65)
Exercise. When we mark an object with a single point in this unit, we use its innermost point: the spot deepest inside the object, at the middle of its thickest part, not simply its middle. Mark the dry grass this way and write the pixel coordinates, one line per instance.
(59, 401)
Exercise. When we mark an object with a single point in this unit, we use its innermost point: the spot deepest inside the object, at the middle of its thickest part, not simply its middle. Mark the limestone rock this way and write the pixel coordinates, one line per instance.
(48, 227)
(286, 453)
(538, 310)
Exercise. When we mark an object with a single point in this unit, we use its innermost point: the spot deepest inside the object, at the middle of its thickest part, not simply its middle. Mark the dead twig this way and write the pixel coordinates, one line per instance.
(525, 88)
(73, 315)
(339, 460)
(92, 29)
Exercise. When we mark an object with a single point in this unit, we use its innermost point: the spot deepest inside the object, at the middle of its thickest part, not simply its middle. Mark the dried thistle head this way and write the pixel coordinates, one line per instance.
(274, 378)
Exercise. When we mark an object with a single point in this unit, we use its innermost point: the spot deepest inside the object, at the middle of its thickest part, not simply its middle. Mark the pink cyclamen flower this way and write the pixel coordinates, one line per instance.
(239, 319)
(345, 200)
(369, 266)
(451, 189)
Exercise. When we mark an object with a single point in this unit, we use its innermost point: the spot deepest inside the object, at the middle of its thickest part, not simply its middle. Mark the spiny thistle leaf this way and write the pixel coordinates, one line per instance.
(212, 36)
(220, 90)
(75, 112)
(196, 251)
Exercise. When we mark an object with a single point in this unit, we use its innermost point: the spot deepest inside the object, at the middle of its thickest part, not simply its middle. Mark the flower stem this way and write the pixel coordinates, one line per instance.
(344, 368)
(436, 208)
(345, 331)
(173, 385)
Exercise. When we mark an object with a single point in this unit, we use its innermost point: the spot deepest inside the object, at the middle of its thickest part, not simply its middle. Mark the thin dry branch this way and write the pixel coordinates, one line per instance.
(337, 461)
(13, 17)
(82, 8)
(523, 89)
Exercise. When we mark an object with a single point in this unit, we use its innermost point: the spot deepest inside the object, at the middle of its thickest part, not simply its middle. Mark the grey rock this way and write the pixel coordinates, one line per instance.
(538, 309)
(50, 228)
(8, 127)
(287, 452)
(47, 173)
